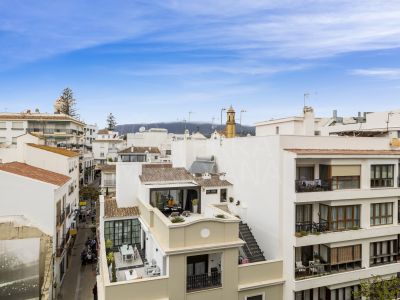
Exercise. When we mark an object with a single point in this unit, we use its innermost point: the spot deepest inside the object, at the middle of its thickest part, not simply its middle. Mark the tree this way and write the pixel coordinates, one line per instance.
(66, 103)
(376, 288)
(111, 123)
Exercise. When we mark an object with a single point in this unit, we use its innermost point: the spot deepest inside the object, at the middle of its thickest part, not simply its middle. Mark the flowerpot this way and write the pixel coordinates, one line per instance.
(194, 209)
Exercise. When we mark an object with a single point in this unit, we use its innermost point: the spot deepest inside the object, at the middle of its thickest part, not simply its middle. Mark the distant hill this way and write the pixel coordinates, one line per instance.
(179, 127)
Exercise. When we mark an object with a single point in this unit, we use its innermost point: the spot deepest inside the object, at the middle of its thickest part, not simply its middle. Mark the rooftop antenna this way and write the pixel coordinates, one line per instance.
(306, 96)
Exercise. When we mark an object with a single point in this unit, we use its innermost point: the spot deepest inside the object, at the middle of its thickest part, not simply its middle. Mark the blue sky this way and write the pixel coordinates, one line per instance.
(149, 61)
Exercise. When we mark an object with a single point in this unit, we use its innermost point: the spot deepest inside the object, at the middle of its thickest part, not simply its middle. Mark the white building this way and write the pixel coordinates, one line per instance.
(106, 146)
(90, 135)
(307, 124)
(154, 137)
(386, 123)
(107, 178)
(30, 150)
(42, 197)
(57, 129)
(327, 206)
(140, 154)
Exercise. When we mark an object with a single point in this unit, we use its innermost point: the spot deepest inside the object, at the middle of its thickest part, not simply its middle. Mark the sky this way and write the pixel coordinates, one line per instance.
(158, 60)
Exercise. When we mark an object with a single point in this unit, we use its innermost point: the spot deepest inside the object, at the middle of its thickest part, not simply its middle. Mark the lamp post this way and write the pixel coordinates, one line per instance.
(222, 109)
(240, 120)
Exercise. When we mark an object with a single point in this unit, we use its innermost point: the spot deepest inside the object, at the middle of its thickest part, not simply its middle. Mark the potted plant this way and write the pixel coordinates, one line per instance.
(109, 245)
(231, 199)
(195, 203)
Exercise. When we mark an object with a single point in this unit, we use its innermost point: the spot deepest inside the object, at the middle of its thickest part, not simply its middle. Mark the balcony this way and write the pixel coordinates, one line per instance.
(203, 281)
(321, 260)
(109, 182)
(331, 184)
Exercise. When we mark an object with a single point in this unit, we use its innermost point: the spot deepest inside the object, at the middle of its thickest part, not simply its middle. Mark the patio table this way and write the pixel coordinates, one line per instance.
(126, 251)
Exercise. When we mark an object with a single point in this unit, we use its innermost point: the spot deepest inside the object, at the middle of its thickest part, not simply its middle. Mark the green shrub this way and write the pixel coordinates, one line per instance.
(177, 220)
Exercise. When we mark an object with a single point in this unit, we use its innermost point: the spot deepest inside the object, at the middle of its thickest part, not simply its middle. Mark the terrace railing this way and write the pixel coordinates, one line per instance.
(203, 281)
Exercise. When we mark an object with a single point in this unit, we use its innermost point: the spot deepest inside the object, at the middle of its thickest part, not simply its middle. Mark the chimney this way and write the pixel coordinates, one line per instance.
(206, 176)
(359, 114)
(334, 114)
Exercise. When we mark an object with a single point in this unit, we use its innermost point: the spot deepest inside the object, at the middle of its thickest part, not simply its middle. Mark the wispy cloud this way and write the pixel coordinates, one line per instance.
(32, 30)
(382, 73)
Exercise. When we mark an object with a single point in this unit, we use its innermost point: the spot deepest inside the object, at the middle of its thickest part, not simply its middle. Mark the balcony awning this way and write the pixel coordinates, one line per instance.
(349, 170)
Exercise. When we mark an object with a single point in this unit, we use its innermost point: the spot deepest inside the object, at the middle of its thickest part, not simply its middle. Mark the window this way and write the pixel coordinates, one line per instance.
(101, 154)
(305, 173)
(223, 195)
(304, 295)
(3, 125)
(381, 213)
(345, 182)
(382, 175)
(303, 217)
(340, 217)
(211, 192)
(277, 130)
(14, 140)
(203, 271)
(168, 152)
(255, 297)
(122, 231)
(17, 125)
(345, 255)
(2, 139)
(383, 253)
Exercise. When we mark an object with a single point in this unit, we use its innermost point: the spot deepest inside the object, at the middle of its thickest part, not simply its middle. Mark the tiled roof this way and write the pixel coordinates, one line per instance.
(102, 131)
(111, 209)
(211, 182)
(107, 168)
(38, 116)
(35, 173)
(133, 150)
(343, 152)
(164, 173)
(56, 150)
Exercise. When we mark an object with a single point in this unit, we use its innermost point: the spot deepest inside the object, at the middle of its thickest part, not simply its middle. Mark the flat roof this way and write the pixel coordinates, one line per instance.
(56, 150)
(39, 117)
(107, 168)
(32, 172)
(343, 152)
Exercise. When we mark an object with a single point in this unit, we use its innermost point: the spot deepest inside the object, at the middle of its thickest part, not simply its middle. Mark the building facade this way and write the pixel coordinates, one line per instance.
(106, 146)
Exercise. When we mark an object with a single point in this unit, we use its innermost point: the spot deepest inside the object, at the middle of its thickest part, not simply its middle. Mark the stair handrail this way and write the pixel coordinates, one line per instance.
(241, 236)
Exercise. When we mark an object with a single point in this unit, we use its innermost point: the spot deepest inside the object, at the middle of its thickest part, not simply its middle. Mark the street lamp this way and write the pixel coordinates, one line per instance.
(241, 129)
(222, 109)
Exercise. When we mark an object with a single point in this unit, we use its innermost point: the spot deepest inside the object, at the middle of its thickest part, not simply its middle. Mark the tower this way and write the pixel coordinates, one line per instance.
(230, 130)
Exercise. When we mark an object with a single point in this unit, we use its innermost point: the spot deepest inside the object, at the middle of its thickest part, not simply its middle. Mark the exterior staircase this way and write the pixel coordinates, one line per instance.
(251, 248)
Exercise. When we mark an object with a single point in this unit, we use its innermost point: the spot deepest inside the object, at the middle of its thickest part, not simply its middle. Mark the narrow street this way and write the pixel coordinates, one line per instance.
(79, 280)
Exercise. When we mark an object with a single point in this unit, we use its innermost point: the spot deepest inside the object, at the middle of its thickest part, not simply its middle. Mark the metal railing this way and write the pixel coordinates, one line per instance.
(203, 281)
(322, 269)
(332, 184)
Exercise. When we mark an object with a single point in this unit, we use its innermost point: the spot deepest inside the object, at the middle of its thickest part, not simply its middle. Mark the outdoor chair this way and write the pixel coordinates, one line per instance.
(300, 267)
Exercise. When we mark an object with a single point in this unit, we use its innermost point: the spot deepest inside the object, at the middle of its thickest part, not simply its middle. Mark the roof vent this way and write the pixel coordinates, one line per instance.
(206, 176)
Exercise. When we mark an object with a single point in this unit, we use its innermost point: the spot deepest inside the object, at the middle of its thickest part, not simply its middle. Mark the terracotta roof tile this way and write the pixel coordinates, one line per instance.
(111, 209)
(107, 168)
(134, 150)
(102, 131)
(56, 150)
(158, 173)
(211, 182)
(35, 173)
(343, 152)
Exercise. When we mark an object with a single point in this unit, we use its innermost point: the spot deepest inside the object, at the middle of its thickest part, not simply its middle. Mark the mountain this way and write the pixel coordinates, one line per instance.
(179, 127)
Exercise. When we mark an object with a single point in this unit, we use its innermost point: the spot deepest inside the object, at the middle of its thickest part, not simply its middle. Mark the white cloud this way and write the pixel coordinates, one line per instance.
(383, 73)
(252, 29)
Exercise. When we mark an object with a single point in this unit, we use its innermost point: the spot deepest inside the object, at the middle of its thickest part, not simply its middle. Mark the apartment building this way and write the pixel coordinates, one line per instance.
(140, 154)
(107, 178)
(57, 130)
(153, 137)
(327, 206)
(106, 146)
(90, 134)
(171, 239)
(41, 197)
